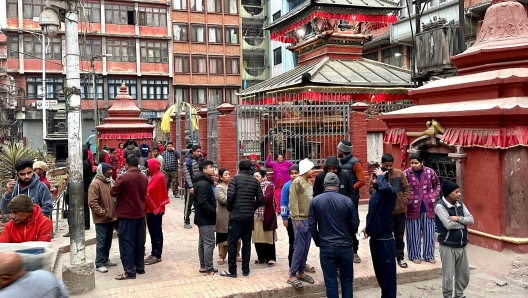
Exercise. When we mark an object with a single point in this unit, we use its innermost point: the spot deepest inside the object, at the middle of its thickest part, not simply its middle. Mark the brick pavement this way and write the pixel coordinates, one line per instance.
(177, 275)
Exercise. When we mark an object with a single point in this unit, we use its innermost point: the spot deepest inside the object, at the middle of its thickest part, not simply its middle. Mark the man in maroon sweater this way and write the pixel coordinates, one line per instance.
(130, 190)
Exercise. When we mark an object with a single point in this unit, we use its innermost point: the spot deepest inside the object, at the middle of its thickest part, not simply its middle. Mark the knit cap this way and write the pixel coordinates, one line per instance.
(448, 187)
(21, 203)
(345, 146)
(331, 179)
(105, 167)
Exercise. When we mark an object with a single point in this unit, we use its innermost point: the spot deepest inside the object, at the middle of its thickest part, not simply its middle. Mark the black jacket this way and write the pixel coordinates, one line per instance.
(346, 186)
(87, 171)
(204, 200)
(244, 196)
(380, 210)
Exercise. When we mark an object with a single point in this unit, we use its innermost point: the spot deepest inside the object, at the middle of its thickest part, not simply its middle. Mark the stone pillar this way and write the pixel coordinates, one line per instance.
(173, 128)
(182, 130)
(459, 157)
(227, 146)
(202, 127)
(358, 138)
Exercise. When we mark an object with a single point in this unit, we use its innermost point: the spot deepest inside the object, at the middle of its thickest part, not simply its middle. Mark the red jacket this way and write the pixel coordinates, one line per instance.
(37, 228)
(44, 180)
(157, 195)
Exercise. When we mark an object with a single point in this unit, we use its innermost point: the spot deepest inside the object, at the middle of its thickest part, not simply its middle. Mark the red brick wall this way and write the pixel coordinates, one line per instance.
(358, 138)
(227, 147)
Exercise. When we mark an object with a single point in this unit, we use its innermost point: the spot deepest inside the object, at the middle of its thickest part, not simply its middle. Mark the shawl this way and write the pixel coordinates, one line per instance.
(259, 213)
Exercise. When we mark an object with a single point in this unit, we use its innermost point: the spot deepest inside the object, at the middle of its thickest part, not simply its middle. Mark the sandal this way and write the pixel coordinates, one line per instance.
(124, 276)
(271, 263)
(402, 264)
(433, 261)
(258, 262)
(417, 261)
(307, 278)
(227, 274)
(296, 284)
(239, 259)
(309, 268)
(357, 259)
(205, 270)
(221, 261)
(152, 260)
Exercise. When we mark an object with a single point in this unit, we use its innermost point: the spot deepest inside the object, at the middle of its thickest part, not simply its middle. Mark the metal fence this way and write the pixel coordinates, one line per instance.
(296, 131)
(212, 131)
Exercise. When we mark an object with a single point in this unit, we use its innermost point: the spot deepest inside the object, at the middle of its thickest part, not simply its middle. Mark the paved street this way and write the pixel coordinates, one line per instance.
(177, 275)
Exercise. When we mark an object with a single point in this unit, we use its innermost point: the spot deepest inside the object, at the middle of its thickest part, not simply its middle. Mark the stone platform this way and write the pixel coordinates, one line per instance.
(177, 275)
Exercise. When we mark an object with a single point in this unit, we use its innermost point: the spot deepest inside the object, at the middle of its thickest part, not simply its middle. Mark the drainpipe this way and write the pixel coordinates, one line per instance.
(508, 239)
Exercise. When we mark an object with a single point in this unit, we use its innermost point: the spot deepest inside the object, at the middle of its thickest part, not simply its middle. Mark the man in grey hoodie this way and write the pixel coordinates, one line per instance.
(29, 184)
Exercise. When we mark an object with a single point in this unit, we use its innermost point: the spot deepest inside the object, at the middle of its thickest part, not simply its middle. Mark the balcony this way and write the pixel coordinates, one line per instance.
(3, 54)
(253, 9)
(254, 43)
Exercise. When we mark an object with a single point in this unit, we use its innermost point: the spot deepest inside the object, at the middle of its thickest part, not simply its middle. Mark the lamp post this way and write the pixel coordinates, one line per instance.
(96, 106)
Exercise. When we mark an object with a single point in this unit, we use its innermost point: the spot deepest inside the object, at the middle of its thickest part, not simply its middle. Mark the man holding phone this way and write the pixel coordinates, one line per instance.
(29, 184)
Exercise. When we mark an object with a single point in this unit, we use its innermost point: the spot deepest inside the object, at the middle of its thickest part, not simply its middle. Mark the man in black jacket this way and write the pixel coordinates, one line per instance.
(205, 215)
(244, 196)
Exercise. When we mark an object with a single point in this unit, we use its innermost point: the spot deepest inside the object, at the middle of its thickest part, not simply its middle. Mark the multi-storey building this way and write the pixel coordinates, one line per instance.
(207, 51)
(255, 42)
(120, 42)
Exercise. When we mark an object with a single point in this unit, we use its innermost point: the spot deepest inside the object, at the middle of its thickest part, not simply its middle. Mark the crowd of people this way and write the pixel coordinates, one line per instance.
(129, 191)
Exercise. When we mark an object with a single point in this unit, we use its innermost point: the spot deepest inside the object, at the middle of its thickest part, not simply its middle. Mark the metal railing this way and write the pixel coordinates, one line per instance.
(385, 107)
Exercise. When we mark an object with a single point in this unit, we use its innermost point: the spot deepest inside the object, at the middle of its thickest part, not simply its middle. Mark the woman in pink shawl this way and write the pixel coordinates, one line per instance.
(157, 198)
(281, 175)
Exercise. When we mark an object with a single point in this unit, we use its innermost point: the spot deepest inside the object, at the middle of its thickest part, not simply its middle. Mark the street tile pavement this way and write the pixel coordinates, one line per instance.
(177, 275)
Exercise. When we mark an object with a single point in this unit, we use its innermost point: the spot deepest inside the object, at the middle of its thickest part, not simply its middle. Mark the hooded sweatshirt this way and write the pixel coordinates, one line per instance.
(157, 195)
(36, 228)
(346, 184)
(131, 149)
(36, 190)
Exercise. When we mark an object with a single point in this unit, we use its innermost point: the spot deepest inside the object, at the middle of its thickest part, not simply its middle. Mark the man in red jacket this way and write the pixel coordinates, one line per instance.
(27, 224)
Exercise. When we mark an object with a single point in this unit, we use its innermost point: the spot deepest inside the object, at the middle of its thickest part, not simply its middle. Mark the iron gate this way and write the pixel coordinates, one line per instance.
(296, 131)
(443, 165)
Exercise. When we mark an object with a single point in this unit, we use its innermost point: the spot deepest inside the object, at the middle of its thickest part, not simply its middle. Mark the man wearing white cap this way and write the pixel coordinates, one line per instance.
(301, 193)
(41, 168)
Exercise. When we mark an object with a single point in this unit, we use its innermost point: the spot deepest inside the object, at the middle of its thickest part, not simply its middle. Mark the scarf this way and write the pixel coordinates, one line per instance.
(259, 213)
(99, 173)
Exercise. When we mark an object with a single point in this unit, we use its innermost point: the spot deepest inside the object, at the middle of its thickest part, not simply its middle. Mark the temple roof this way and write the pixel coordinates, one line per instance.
(346, 73)
(359, 6)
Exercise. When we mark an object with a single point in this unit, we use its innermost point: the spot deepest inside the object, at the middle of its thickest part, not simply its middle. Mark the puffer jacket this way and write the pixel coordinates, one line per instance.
(131, 149)
(204, 200)
(37, 228)
(100, 201)
(36, 190)
(244, 196)
(190, 168)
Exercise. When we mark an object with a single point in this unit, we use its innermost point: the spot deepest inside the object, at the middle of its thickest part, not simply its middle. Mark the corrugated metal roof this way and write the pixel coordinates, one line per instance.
(351, 73)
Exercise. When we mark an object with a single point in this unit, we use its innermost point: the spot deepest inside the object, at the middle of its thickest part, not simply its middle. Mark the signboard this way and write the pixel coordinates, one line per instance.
(148, 115)
(49, 104)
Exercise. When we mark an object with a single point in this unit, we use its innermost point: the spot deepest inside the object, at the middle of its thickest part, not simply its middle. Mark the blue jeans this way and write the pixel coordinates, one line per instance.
(302, 242)
(103, 236)
(331, 259)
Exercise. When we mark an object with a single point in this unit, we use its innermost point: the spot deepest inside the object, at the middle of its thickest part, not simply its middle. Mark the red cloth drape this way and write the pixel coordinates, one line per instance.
(378, 20)
(497, 138)
(398, 136)
(124, 135)
(315, 96)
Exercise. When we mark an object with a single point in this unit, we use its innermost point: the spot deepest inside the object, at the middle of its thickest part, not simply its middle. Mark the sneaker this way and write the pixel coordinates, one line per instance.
(102, 269)
(110, 263)
(187, 226)
(357, 259)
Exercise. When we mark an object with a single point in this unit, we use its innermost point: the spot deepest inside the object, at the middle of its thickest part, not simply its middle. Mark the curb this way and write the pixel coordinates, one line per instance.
(66, 249)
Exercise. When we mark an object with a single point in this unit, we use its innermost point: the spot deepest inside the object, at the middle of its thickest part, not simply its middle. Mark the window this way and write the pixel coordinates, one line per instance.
(181, 95)
(32, 8)
(199, 64)
(121, 50)
(150, 16)
(33, 48)
(231, 35)
(154, 89)
(92, 12)
(179, 4)
(91, 48)
(198, 96)
(393, 56)
(215, 34)
(154, 52)
(120, 14)
(371, 56)
(180, 32)
(34, 87)
(277, 56)
(216, 65)
(12, 8)
(216, 96)
(230, 96)
(276, 15)
(232, 65)
(214, 5)
(181, 64)
(197, 5)
(230, 6)
(12, 46)
(114, 85)
(198, 33)
(87, 91)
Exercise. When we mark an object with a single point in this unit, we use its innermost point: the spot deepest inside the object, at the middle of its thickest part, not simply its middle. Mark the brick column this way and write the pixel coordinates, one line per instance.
(358, 138)
(182, 131)
(226, 155)
(172, 133)
(202, 127)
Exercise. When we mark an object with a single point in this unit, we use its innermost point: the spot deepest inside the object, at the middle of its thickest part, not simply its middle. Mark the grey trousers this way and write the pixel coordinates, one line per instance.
(454, 264)
(206, 244)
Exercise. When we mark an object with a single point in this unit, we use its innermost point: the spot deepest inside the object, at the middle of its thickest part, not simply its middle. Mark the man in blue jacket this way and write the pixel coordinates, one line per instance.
(333, 222)
(380, 230)
(29, 184)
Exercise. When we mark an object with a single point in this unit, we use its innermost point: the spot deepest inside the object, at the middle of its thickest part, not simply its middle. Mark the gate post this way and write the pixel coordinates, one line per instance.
(183, 116)
(227, 150)
(202, 128)
(358, 138)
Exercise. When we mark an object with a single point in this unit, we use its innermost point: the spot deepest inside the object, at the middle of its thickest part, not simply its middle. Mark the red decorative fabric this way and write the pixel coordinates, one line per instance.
(124, 136)
(398, 136)
(379, 21)
(315, 96)
(498, 138)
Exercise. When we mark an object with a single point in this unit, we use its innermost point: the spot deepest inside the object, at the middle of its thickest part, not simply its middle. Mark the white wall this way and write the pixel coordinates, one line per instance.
(374, 146)
(287, 57)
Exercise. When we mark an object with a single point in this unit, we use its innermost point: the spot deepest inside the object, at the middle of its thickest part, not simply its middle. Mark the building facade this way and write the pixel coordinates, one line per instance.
(255, 42)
